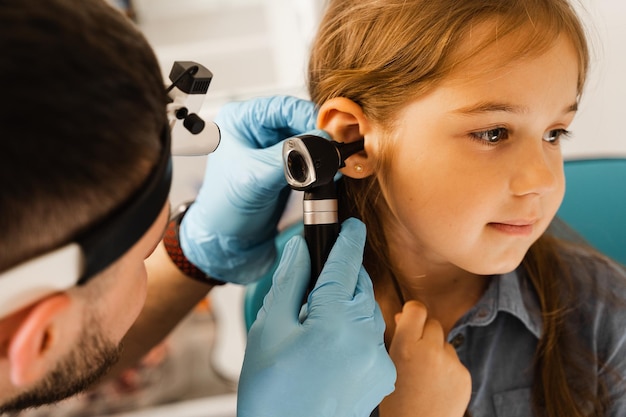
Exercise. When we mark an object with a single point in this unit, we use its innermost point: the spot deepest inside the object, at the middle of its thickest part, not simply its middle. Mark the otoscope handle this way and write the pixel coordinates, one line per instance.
(321, 226)
(320, 238)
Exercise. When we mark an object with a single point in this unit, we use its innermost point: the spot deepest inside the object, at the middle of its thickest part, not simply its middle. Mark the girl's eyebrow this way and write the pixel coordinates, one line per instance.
(492, 106)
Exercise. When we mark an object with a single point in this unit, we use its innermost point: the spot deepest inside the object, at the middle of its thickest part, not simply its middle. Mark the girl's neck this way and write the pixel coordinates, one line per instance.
(447, 291)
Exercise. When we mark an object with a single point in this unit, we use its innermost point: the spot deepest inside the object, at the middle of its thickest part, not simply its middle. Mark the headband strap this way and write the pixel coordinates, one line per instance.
(102, 245)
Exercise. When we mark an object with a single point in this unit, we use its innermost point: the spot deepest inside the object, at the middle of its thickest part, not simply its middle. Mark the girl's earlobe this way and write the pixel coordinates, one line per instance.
(358, 166)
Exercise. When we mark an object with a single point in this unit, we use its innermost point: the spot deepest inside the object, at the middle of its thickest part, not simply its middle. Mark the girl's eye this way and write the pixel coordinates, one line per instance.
(491, 136)
(553, 136)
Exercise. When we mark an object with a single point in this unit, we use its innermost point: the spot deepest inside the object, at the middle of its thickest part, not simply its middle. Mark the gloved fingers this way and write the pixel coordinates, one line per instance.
(365, 305)
(364, 291)
(379, 322)
(263, 122)
(304, 312)
(367, 299)
(244, 180)
(282, 303)
(260, 180)
(288, 115)
(338, 280)
(229, 259)
(383, 384)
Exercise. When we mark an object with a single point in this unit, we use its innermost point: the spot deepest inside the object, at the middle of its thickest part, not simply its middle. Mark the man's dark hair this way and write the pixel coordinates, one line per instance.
(83, 108)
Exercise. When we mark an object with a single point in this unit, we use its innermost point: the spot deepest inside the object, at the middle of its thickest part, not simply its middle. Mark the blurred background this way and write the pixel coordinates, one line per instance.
(259, 48)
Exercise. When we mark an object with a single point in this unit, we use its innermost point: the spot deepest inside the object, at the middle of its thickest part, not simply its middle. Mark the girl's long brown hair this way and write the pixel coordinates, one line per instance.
(383, 53)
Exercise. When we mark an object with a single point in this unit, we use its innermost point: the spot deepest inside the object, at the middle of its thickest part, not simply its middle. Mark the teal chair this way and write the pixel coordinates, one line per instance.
(595, 203)
(594, 207)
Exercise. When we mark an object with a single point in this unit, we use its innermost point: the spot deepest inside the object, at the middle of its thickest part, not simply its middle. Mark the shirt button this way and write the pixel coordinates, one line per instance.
(482, 313)
(457, 340)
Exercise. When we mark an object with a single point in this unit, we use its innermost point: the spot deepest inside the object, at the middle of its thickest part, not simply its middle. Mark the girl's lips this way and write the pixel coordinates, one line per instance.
(514, 228)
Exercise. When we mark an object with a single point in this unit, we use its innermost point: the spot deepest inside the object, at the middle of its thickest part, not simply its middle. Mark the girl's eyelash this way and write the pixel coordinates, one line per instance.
(560, 134)
(492, 137)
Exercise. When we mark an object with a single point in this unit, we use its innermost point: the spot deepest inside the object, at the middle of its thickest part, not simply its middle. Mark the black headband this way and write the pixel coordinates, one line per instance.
(110, 239)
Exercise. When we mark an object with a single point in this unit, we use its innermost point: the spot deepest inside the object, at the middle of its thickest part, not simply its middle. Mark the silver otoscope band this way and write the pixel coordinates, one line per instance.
(320, 211)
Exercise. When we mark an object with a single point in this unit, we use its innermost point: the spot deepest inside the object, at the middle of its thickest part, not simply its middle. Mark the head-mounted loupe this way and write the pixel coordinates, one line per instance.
(93, 251)
(192, 135)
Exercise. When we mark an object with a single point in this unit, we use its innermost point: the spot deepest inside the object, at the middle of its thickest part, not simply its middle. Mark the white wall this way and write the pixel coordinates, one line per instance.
(598, 128)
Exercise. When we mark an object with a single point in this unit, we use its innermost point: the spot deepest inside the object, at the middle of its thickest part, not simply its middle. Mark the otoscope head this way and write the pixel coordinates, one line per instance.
(311, 161)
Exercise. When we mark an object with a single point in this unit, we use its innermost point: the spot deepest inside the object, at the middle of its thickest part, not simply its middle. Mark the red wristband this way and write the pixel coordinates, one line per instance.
(172, 246)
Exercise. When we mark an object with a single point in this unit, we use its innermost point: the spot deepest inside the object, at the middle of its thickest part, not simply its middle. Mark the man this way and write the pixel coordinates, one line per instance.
(84, 180)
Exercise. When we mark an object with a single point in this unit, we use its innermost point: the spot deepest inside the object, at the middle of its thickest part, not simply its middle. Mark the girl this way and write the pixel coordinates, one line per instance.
(462, 106)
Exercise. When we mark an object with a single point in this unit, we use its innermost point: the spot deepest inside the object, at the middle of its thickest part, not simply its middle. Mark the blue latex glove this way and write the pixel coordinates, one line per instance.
(228, 232)
(333, 361)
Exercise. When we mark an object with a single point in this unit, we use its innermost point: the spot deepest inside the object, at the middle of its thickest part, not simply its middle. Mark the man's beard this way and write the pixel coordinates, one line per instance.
(85, 364)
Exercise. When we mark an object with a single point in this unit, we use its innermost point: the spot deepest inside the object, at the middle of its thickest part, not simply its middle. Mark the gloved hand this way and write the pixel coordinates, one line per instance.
(330, 363)
(228, 232)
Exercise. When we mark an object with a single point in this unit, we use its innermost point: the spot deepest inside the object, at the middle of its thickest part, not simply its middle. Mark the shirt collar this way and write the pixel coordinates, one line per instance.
(508, 293)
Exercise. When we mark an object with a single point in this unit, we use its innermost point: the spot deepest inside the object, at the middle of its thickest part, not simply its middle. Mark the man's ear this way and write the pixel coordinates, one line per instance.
(34, 348)
(344, 120)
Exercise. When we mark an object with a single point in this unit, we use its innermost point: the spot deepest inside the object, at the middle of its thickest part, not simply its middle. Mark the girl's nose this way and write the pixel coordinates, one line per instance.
(536, 170)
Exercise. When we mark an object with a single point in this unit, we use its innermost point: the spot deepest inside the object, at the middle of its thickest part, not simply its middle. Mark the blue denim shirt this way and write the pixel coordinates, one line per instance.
(497, 338)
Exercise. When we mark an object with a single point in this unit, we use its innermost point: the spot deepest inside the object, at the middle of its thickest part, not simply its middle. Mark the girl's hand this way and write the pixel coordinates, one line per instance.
(431, 380)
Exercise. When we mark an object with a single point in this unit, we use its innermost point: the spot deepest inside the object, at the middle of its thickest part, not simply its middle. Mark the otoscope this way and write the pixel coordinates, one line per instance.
(310, 163)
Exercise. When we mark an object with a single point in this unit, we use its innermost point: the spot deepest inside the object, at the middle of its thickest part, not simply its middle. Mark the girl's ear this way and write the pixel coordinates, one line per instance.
(344, 120)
